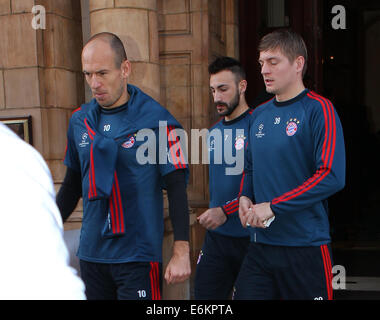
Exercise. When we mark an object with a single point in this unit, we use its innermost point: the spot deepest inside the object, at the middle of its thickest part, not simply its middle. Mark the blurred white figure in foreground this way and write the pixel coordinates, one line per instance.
(34, 258)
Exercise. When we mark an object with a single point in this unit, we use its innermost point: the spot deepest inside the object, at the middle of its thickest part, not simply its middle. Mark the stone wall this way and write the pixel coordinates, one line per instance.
(40, 72)
(170, 44)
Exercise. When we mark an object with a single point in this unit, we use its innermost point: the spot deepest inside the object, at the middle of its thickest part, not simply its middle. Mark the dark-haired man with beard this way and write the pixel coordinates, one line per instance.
(226, 240)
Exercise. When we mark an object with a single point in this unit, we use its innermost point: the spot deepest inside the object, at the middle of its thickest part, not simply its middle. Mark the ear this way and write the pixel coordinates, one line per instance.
(243, 86)
(300, 63)
(126, 69)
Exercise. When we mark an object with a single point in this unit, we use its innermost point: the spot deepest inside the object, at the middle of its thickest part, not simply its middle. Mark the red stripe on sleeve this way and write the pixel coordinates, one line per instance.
(76, 110)
(231, 207)
(328, 151)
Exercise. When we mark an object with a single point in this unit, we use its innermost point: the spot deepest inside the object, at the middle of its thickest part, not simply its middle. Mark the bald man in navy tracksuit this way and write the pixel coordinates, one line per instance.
(120, 248)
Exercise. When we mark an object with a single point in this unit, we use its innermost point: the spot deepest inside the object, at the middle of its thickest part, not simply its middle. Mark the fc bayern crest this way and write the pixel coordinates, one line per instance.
(239, 142)
(129, 143)
(292, 127)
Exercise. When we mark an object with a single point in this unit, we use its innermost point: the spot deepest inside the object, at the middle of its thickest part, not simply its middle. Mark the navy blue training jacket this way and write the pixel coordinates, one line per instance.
(296, 160)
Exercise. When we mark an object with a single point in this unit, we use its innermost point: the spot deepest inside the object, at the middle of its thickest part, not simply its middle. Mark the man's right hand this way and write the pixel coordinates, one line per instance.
(212, 218)
(245, 210)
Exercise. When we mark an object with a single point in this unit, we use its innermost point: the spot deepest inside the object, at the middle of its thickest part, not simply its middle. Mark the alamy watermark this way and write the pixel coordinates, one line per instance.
(339, 277)
(337, 22)
(226, 147)
(39, 19)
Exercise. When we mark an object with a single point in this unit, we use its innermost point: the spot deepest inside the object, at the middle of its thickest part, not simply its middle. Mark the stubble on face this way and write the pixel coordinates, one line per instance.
(102, 75)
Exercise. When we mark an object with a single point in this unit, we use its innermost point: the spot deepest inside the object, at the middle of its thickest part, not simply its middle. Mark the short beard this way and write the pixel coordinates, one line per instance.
(230, 106)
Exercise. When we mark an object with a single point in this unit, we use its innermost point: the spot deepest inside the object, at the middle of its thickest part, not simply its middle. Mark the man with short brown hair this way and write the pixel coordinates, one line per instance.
(295, 161)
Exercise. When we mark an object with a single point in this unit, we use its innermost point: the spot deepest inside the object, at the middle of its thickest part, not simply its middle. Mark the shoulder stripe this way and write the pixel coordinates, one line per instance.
(332, 127)
(328, 151)
(76, 110)
(91, 132)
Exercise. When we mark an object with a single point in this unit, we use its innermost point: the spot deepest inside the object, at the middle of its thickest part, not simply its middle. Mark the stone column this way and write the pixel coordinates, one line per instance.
(232, 29)
(19, 70)
(135, 22)
(40, 72)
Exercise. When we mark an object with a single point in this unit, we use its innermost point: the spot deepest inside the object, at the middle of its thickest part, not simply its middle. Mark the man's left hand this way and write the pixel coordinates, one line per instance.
(262, 213)
(178, 268)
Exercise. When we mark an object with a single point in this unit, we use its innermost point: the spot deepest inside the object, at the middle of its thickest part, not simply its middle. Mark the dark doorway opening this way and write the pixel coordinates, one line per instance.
(350, 59)
(344, 66)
